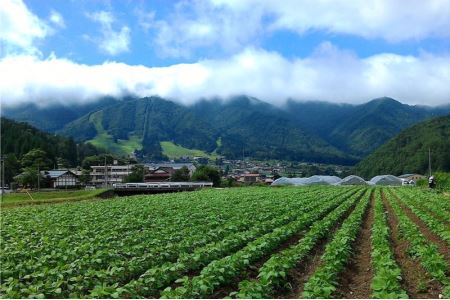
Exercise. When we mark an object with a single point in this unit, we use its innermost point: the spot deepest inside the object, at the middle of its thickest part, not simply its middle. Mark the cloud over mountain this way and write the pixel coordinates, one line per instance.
(328, 74)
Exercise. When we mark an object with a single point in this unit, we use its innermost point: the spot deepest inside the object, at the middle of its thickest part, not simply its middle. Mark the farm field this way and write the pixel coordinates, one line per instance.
(289, 242)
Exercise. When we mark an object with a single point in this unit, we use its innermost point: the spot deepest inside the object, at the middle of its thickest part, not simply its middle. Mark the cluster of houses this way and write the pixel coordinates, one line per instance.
(155, 172)
(111, 174)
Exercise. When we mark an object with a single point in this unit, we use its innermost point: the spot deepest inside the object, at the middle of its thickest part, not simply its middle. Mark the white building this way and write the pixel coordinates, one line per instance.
(101, 175)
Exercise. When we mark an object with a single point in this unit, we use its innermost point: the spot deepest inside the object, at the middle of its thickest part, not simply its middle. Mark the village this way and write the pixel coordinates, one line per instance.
(232, 173)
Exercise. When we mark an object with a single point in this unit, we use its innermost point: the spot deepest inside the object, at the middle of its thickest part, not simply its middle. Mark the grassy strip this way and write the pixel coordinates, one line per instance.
(322, 283)
(427, 252)
(20, 199)
(387, 274)
(273, 274)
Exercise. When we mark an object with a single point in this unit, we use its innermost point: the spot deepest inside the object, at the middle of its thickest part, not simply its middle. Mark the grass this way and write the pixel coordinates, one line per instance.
(19, 199)
(106, 141)
(173, 151)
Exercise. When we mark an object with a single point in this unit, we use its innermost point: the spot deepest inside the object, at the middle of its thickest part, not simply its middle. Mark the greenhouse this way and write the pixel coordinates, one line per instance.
(386, 180)
(353, 180)
(323, 180)
(313, 180)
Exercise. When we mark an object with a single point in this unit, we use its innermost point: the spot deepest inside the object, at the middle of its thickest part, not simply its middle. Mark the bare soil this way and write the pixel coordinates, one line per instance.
(415, 281)
(355, 280)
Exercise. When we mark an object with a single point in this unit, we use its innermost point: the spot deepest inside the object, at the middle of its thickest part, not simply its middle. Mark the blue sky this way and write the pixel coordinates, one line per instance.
(339, 51)
(71, 41)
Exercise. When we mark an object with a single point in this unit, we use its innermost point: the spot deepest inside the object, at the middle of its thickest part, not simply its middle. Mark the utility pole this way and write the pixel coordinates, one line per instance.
(429, 160)
(106, 173)
(2, 182)
(39, 178)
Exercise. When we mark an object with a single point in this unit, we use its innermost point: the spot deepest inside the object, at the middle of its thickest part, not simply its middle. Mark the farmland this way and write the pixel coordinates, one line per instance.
(308, 242)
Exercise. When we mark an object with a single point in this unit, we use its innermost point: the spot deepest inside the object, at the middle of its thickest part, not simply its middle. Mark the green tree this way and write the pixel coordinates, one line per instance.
(85, 176)
(37, 159)
(136, 175)
(207, 173)
(12, 168)
(29, 178)
(181, 174)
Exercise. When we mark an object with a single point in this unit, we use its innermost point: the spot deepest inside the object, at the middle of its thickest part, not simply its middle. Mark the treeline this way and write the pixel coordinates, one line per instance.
(24, 147)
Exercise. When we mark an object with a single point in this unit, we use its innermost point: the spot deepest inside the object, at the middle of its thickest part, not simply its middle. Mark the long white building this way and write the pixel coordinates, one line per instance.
(101, 175)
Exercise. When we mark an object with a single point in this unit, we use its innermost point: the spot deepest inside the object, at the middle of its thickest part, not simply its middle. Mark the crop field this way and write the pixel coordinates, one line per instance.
(302, 242)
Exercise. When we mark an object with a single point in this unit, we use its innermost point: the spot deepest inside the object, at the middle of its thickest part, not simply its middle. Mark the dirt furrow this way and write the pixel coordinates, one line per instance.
(305, 268)
(252, 271)
(443, 248)
(415, 281)
(355, 280)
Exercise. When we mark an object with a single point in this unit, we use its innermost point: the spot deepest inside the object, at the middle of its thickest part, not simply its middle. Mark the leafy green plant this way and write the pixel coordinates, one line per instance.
(387, 274)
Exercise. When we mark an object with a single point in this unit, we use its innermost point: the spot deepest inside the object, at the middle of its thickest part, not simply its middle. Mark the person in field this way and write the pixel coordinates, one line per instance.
(431, 182)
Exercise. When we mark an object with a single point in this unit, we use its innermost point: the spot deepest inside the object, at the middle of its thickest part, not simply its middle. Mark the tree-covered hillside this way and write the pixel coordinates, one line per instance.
(408, 151)
(360, 129)
(239, 127)
(22, 145)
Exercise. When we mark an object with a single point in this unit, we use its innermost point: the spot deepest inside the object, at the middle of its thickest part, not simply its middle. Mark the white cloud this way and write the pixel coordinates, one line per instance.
(235, 24)
(57, 19)
(20, 28)
(111, 41)
(329, 74)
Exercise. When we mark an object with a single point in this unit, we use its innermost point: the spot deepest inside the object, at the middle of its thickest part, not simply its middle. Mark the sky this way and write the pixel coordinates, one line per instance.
(349, 51)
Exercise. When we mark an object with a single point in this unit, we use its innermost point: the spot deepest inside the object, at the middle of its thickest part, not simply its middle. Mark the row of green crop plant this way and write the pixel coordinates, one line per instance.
(245, 219)
(72, 249)
(430, 197)
(435, 225)
(386, 273)
(154, 279)
(274, 272)
(322, 284)
(421, 248)
(95, 260)
(430, 201)
(224, 270)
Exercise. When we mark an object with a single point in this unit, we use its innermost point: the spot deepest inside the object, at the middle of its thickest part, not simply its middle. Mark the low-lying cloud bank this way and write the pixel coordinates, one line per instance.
(329, 74)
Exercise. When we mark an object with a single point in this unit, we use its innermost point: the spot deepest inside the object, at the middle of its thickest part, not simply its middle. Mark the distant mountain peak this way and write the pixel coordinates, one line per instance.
(384, 101)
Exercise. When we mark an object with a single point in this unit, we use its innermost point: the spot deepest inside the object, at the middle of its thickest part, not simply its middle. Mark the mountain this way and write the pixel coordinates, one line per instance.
(226, 128)
(408, 151)
(54, 117)
(304, 131)
(360, 129)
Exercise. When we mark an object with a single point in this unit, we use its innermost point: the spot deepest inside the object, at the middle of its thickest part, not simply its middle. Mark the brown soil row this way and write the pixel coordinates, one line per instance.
(299, 275)
(427, 233)
(252, 272)
(415, 281)
(355, 280)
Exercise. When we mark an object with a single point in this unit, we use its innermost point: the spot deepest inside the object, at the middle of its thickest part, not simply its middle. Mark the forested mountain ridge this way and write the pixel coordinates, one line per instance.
(360, 129)
(408, 151)
(233, 128)
(304, 131)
